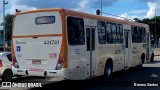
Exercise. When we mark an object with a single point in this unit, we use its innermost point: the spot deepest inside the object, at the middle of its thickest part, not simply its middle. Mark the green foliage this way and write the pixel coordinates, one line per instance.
(137, 20)
(146, 21)
(152, 23)
(8, 27)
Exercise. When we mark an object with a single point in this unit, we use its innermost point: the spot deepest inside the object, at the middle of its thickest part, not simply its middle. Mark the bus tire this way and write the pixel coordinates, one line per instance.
(142, 61)
(142, 58)
(108, 69)
(152, 57)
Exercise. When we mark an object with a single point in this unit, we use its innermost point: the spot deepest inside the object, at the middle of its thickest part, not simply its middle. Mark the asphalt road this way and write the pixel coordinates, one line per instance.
(27, 80)
(147, 78)
(122, 80)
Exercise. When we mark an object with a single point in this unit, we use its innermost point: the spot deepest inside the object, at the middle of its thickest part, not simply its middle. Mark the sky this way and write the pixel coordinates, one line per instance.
(124, 8)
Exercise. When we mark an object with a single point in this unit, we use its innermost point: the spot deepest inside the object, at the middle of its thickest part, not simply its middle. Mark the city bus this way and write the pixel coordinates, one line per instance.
(62, 43)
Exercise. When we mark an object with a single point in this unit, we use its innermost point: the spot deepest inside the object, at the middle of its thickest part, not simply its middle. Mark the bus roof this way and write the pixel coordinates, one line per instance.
(86, 15)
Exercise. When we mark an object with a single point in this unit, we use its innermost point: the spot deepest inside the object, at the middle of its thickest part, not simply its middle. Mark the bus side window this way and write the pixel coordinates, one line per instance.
(133, 37)
(120, 33)
(147, 40)
(138, 35)
(114, 33)
(135, 34)
(143, 35)
(109, 36)
(102, 32)
(75, 28)
(88, 38)
(93, 39)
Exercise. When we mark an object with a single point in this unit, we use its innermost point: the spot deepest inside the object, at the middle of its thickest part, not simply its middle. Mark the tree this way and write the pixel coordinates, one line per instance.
(146, 20)
(137, 20)
(8, 27)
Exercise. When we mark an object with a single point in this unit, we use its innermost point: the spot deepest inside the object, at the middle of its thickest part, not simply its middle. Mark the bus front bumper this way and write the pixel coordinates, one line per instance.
(40, 72)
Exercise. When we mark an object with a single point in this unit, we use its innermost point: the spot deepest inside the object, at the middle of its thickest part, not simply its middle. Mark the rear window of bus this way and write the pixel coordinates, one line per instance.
(45, 20)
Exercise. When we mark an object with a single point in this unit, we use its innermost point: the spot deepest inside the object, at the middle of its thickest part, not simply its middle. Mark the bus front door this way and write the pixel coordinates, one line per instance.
(90, 50)
(148, 47)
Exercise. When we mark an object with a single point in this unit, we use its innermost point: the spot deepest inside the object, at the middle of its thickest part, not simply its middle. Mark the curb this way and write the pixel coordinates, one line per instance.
(156, 55)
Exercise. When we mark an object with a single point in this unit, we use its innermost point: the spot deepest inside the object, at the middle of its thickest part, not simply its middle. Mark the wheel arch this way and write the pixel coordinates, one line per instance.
(110, 61)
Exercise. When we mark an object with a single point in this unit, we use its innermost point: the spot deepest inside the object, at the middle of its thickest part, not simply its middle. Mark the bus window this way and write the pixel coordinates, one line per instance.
(143, 35)
(101, 32)
(147, 39)
(119, 33)
(133, 37)
(109, 36)
(45, 20)
(126, 39)
(114, 33)
(136, 35)
(88, 38)
(93, 39)
(75, 28)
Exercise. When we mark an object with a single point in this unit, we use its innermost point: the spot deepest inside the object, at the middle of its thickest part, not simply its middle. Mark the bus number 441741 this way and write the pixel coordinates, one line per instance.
(51, 42)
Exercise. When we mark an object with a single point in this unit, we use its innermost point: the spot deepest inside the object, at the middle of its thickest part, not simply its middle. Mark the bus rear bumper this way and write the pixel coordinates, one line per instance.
(39, 72)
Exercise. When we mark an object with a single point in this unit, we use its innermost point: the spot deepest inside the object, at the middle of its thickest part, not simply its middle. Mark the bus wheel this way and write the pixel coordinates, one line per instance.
(142, 58)
(142, 61)
(108, 70)
(140, 65)
(152, 57)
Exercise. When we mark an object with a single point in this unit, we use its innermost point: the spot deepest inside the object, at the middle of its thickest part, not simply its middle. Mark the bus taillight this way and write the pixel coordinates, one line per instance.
(60, 61)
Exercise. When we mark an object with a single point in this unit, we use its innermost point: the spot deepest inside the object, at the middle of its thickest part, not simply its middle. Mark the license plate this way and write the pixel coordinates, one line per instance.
(35, 70)
(36, 61)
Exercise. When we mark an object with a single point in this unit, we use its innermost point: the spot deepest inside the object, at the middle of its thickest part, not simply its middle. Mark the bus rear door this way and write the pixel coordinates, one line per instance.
(90, 48)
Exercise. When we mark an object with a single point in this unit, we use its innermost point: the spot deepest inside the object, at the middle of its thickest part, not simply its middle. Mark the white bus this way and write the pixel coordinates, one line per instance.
(75, 45)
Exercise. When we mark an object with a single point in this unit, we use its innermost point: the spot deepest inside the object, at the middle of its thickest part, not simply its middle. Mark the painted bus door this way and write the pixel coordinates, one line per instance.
(90, 49)
(127, 44)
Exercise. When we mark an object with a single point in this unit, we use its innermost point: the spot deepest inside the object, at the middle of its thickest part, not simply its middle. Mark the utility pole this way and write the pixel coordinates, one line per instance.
(155, 30)
(4, 3)
(101, 7)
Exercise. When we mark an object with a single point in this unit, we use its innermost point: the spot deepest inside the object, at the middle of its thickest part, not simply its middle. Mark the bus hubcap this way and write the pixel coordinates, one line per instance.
(108, 70)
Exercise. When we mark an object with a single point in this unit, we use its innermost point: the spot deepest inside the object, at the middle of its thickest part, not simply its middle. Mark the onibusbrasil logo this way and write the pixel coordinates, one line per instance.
(13, 84)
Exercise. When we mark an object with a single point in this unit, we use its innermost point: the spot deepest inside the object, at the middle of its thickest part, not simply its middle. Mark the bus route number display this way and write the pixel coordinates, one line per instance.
(51, 42)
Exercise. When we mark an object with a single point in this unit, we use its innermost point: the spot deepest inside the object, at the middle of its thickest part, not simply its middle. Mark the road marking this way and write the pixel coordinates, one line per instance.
(154, 75)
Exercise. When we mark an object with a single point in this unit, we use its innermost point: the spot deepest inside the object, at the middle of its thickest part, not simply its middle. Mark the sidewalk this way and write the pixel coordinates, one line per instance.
(156, 51)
